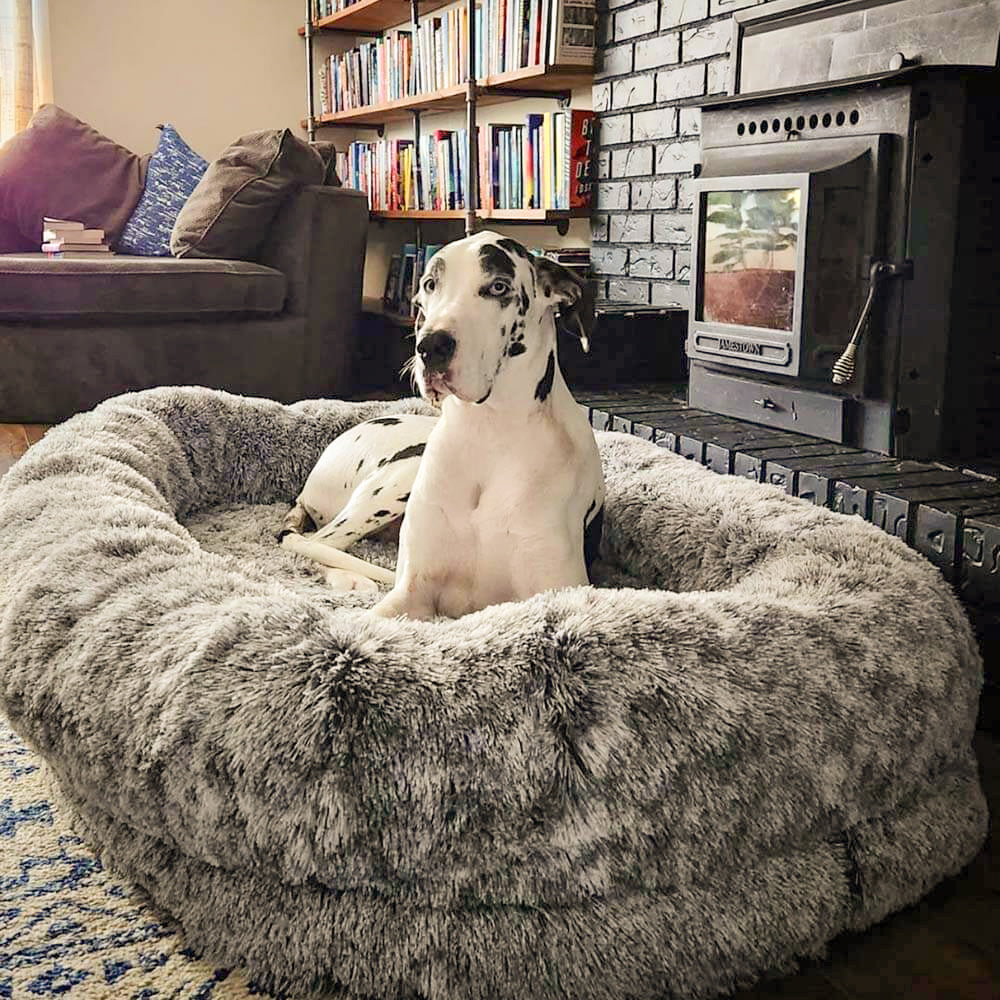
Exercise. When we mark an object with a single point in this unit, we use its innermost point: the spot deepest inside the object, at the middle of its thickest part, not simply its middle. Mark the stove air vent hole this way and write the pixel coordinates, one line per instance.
(799, 124)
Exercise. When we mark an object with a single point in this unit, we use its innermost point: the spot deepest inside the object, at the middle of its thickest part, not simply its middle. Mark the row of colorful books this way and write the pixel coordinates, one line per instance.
(375, 72)
(399, 175)
(71, 238)
(542, 163)
(510, 34)
(406, 268)
(514, 34)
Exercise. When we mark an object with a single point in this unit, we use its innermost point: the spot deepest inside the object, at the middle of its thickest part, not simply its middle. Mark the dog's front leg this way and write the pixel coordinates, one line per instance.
(404, 601)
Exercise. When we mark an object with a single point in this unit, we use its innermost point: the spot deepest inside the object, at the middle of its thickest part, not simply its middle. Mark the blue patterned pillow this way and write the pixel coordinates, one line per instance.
(173, 172)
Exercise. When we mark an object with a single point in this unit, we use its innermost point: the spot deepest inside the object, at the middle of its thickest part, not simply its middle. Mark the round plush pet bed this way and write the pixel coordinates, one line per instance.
(752, 735)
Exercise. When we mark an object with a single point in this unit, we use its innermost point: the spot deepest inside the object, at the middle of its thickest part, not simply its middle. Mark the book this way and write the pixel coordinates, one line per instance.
(390, 301)
(577, 154)
(76, 235)
(76, 255)
(58, 246)
(571, 38)
(406, 278)
(49, 223)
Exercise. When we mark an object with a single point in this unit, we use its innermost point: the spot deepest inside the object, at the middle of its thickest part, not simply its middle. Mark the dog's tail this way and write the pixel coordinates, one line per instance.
(327, 555)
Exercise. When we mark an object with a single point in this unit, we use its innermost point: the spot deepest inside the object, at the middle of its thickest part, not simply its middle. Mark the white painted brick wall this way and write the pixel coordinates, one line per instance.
(616, 60)
(632, 91)
(710, 39)
(660, 50)
(655, 196)
(659, 59)
(611, 195)
(635, 21)
(677, 12)
(659, 123)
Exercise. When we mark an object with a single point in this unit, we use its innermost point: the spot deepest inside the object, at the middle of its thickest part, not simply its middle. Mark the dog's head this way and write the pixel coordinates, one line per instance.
(486, 311)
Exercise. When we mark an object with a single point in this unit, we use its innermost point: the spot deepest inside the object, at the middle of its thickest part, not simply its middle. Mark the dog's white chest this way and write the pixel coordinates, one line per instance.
(493, 515)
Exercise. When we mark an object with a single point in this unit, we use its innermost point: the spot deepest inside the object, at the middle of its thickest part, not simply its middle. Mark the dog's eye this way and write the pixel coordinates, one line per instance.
(429, 284)
(500, 287)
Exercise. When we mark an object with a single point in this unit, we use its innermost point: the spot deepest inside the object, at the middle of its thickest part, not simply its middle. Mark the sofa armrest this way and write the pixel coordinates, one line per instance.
(318, 242)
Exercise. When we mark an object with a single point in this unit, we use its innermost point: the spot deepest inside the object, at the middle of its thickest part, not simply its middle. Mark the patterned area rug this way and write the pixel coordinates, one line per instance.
(69, 927)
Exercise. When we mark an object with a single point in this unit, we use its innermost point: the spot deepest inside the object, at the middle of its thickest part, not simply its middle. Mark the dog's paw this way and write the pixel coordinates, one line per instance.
(342, 579)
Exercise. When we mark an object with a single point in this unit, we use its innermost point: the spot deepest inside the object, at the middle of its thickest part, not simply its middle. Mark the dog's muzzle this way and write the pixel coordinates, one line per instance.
(435, 350)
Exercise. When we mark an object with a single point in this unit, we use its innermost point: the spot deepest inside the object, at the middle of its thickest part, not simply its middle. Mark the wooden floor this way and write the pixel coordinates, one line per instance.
(945, 948)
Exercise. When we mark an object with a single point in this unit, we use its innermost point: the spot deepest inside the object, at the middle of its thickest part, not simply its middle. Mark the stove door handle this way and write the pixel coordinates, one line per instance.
(881, 270)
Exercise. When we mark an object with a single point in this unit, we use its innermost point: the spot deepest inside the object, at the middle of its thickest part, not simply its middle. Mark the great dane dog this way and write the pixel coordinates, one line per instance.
(502, 493)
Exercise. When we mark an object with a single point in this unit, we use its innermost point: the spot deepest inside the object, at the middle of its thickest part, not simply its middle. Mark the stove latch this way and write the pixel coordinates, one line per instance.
(880, 272)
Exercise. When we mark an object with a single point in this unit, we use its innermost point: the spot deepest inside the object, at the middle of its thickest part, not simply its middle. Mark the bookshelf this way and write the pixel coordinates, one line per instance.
(539, 81)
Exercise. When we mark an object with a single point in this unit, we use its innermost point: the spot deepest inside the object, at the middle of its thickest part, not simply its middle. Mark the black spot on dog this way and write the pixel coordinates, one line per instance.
(339, 522)
(411, 451)
(362, 462)
(385, 421)
(494, 261)
(376, 491)
(403, 498)
(488, 392)
(514, 247)
(544, 386)
(592, 537)
(382, 513)
(516, 349)
(522, 309)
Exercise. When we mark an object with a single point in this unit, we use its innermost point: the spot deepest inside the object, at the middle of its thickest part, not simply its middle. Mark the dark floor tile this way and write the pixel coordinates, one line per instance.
(906, 959)
(810, 984)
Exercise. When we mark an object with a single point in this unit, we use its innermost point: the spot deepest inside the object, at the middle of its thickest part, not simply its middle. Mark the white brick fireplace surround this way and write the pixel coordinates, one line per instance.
(656, 60)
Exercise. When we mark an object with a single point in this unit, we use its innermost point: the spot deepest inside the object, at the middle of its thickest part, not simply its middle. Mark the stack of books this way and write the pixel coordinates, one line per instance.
(67, 238)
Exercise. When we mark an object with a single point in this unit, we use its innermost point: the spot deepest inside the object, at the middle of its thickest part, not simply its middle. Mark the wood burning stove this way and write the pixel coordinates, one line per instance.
(862, 209)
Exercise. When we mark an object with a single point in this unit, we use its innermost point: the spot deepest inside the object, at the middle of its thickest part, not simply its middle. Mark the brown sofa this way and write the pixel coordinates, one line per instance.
(74, 332)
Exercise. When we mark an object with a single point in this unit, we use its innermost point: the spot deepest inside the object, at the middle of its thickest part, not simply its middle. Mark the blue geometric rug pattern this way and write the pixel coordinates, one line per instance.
(70, 928)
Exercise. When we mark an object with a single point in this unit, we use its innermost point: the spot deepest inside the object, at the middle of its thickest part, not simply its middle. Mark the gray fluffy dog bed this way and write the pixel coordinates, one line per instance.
(755, 734)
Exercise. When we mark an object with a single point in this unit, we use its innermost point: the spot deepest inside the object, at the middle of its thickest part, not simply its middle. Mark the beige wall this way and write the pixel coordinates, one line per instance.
(215, 69)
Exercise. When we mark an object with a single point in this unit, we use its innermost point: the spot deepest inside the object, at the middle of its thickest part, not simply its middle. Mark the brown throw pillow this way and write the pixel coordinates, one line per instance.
(328, 153)
(230, 211)
(61, 167)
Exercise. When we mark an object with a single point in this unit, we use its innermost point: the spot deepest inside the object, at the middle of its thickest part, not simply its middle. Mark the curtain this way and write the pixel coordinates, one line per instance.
(25, 63)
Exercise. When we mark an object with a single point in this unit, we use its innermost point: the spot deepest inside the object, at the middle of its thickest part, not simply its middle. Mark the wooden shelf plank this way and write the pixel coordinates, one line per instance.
(376, 114)
(540, 215)
(550, 79)
(421, 214)
(373, 15)
(375, 307)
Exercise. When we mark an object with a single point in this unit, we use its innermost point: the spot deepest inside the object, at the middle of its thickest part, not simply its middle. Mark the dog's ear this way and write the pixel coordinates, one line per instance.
(572, 297)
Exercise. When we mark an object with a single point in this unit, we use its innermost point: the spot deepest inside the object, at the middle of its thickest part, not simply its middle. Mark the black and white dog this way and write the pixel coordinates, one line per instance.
(499, 491)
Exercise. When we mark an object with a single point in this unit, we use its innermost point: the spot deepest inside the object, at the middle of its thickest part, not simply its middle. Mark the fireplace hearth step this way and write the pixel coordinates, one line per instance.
(949, 515)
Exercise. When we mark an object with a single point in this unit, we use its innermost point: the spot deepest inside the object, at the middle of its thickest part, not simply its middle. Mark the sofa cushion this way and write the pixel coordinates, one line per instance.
(174, 171)
(232, 208)
(122, 288)
(59, 166)
(328, 154)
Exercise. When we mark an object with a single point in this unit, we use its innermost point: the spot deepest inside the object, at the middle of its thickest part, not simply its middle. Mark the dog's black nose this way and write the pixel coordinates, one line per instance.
(436, 350)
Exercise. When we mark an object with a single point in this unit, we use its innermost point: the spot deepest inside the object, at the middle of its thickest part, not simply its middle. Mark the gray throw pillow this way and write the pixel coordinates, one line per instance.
(232, 208)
